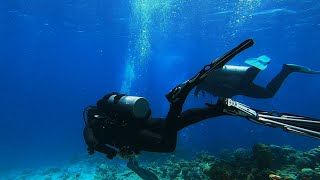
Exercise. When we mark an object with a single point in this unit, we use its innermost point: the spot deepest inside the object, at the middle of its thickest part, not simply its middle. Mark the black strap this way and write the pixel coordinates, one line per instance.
(101, 104)
(85, 113)
(107, 96)
(118, 97)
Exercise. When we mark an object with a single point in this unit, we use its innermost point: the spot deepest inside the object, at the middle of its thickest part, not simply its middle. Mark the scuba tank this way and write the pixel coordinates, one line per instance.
(228, 74)
(239, 70)
(134, 106)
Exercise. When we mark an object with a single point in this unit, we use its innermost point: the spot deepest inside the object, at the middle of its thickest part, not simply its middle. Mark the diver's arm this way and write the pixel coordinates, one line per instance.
(292, 123)
(141, 172)
(94, 145)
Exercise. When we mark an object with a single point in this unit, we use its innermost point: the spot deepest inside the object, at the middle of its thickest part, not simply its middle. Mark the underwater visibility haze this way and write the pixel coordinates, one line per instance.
(57, 57)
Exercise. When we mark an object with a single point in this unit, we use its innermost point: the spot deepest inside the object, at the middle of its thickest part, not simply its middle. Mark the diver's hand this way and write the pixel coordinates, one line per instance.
(132, 163)
(110, 156)
(126, 153)
(123, 155)
(90, 150)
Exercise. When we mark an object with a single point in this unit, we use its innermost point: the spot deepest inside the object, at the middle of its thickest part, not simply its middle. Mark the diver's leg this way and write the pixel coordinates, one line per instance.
(251, 74)
(154, 137)
(300, 69)
(250, 89)
(195, 115)
(180, 92)
(178, 95)
(275, 84)
(160, 135)
(256, 91)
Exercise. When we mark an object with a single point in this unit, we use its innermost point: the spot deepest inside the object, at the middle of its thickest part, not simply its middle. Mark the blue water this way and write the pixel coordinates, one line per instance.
(57, 57)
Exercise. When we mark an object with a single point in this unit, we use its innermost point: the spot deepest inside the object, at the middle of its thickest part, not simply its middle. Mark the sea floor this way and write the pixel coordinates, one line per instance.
(82, 169)
(261, 162)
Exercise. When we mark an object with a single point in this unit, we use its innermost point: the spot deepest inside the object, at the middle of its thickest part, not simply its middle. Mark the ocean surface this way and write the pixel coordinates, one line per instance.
(57, 57)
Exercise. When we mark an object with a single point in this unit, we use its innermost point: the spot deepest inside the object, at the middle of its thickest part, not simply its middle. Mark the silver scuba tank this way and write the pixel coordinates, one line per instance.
(228, 71)
(137, 106)
(234, 69)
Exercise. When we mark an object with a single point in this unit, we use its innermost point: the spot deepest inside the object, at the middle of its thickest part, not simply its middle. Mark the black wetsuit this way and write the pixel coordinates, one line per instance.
(231, 85)
(160, 134)
(253, 90)
(107, 130)
(149, 134)
(118, 129)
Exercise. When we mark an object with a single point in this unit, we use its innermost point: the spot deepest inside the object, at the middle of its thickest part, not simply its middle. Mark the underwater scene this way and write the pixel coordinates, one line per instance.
(160, 89)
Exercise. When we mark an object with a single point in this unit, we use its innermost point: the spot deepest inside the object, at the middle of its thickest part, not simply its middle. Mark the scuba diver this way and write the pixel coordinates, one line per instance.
(231, 81)
(121, 125)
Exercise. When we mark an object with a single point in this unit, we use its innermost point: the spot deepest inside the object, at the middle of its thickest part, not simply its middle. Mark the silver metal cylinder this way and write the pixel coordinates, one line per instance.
(234, 69)
(138, 106)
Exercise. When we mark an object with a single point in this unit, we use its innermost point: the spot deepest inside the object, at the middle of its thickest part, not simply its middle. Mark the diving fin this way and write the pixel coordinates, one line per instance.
(301, 69)
(181, 91)
(292, 123)
(260, 62)
(289, 122)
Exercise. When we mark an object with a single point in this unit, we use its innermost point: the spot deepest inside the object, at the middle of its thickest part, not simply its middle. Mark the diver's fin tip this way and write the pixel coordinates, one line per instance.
(300, 69)
(261, 62)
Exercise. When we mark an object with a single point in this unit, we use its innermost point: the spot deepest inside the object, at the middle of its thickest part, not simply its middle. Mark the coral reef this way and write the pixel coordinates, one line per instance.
(262, 162)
